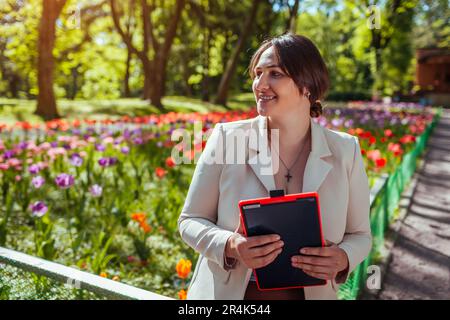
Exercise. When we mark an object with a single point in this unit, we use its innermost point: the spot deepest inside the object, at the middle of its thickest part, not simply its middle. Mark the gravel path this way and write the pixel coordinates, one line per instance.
(420, 262)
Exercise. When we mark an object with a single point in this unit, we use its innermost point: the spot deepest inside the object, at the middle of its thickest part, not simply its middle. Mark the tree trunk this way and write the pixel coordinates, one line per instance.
(161, 57)
(377, 49)
(222, 94)
(148, 78)
(126, 80)
(156, 91)
(14, 84)
(46, 104)
(292, 23)
(74, 87)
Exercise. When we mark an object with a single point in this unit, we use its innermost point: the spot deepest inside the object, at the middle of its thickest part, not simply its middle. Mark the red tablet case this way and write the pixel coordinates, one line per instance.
(281, 199)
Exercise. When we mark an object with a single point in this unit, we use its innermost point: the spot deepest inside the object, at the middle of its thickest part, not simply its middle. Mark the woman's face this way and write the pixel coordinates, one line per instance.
(276, 94)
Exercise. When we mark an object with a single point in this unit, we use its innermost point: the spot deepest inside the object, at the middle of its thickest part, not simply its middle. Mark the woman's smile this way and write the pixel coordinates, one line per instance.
(266, 99)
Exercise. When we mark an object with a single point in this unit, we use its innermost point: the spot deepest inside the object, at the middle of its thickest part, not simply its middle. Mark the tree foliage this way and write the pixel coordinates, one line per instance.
(155, 48)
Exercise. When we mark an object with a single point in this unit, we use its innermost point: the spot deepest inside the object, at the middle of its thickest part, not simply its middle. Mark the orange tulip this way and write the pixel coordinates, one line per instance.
(138, 216)
(182, 294)
(145, 227)
(184, 268)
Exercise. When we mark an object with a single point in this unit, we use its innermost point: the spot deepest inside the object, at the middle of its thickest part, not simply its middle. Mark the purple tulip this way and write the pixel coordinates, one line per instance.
(112, 161)
(22, 145)
(64, 180)
(103, 162)
(138, 140)
(100, 147)
(348, 123)
(125, 150)
(136, 131)
(96, 190)
(34, 169)
(107, 162)
(8, 154)
(336, 122)
(76, 160)
(38, 209)
(54, 144)
(37, 181)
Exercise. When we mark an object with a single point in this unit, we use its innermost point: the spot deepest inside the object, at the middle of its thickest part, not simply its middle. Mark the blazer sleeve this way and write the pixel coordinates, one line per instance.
(357, 241)
(197, 221)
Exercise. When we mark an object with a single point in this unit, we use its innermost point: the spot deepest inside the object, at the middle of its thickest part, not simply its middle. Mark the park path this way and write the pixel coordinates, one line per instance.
(419, 267)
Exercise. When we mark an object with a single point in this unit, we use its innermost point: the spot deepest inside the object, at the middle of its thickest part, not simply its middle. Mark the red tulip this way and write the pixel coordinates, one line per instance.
(380, 163)
(160, 172)
(170, 162)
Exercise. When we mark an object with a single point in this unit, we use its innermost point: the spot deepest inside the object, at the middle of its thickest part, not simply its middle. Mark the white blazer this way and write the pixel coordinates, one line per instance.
(334, 169)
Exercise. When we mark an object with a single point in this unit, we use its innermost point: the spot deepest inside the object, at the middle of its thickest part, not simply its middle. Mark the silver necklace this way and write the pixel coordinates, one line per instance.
(288, 176)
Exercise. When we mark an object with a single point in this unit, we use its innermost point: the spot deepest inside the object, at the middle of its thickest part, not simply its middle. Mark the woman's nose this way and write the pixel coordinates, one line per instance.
(262, 83)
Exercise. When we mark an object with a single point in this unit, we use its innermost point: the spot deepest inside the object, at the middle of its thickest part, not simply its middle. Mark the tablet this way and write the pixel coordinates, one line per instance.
(296, 218)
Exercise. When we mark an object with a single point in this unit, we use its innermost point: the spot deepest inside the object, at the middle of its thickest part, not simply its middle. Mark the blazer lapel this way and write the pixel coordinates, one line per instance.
(259, 157)
(316, 168)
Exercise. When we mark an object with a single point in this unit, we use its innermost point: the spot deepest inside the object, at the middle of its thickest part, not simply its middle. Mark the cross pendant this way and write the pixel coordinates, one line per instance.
(288, 176)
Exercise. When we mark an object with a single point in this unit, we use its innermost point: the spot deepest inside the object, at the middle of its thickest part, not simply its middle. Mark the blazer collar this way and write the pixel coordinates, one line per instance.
(260, 159)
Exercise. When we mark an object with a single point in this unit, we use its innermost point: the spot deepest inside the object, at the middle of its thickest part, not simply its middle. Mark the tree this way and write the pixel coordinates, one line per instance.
(7, 70)
(154, 67)
(230, 68)
(396, 13)
(46, 103)
(432, 29)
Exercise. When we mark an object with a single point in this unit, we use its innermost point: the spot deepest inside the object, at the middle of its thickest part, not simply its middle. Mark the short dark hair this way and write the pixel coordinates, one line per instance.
(300, 59)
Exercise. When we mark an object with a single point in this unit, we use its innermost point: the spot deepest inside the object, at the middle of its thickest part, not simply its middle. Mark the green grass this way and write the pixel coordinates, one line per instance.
(13, 110)
(16, 284)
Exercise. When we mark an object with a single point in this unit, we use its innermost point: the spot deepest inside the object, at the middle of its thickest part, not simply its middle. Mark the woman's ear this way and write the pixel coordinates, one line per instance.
(306, 93)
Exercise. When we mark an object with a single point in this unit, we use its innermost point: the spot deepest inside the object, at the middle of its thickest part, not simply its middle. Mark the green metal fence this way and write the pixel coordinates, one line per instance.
(382, 212)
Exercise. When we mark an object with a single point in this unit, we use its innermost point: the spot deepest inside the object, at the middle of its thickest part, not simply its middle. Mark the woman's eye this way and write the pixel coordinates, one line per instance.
(273, 73)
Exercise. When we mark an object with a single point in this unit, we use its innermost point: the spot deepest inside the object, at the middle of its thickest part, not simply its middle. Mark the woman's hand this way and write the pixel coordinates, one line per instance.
(254, 252)
(323, 262)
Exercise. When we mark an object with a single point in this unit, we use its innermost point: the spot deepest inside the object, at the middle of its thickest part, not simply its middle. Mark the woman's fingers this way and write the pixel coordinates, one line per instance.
(266, 249)
(313, 268)
(258, 241)
(313, 260)
(323, 276)
(264, 261)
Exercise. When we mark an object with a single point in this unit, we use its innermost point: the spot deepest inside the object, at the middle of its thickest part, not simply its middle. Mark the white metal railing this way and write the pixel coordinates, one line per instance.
(76, 278)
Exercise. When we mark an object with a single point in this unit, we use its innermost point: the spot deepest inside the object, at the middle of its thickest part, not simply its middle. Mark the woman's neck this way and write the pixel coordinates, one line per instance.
(293, 131)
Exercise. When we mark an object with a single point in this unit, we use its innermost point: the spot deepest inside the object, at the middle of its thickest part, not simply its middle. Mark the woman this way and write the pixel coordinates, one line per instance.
(289, 77)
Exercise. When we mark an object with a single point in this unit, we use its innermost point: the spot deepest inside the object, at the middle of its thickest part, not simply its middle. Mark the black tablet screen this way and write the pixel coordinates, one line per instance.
(298, 225)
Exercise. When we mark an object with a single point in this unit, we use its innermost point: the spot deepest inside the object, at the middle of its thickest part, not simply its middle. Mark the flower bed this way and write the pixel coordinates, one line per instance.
(105, 196)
